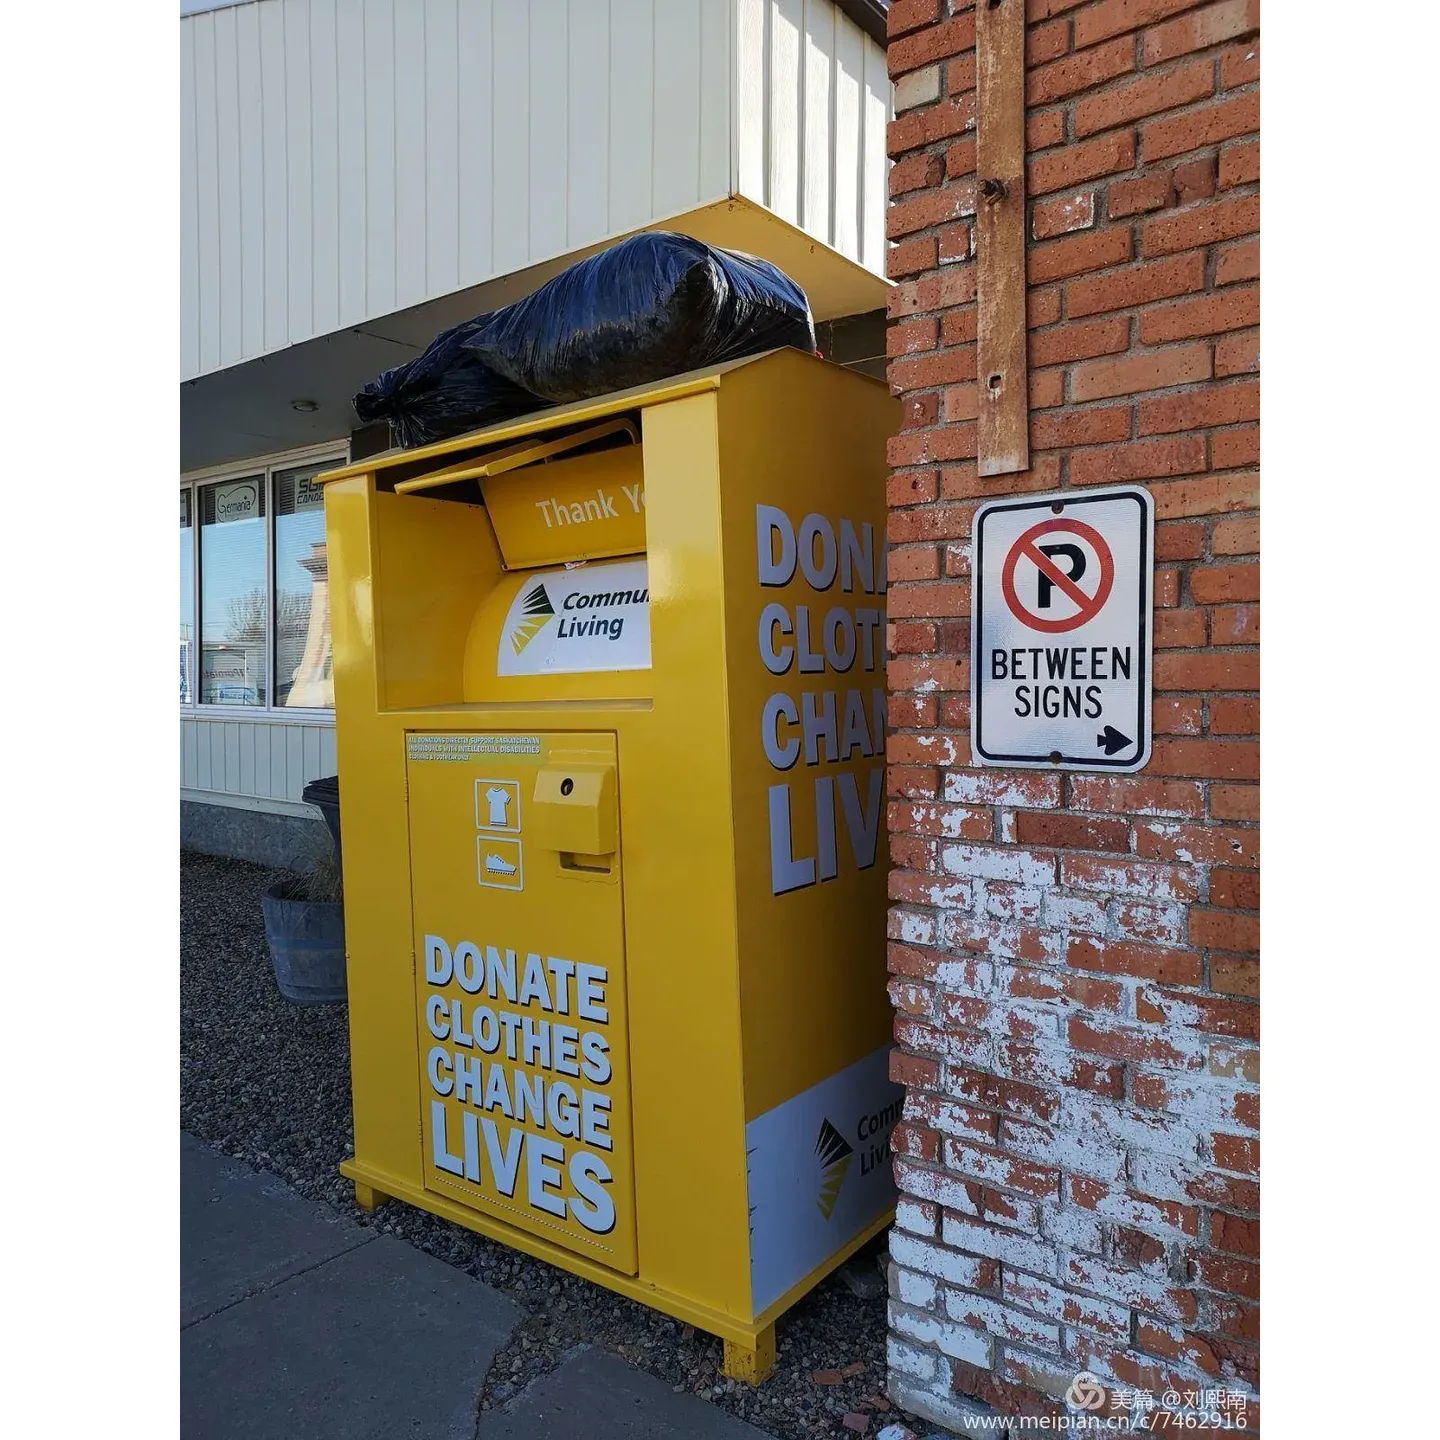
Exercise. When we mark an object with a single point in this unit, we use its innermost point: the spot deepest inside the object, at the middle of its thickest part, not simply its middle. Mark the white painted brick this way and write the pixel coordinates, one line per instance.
(919, 87)
(951, 895)
(1150, 924)
(935, 1260)
(1073, 1227)
(907, 1360)
(911, 1215)
(1143, 1129)
(1084, 917)
(911, 927)
(1000, 787)
(1118, 1283)
(1162, 1177)
(943, 1407)
(1204, 1103)
(1144, 879)
(966, 977)
(1000, 939)
(1001, 1320)
(1007, 1248)
(988, 862)
(934, 1185)
(914, 1289)
(1078, 1151)
(962, 1343)
(1011, 902)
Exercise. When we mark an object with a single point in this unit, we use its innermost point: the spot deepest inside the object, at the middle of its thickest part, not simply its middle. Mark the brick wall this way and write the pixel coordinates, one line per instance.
(1074, 957)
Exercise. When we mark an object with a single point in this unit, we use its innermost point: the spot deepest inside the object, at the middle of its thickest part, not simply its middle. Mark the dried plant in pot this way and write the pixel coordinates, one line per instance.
(305, 928)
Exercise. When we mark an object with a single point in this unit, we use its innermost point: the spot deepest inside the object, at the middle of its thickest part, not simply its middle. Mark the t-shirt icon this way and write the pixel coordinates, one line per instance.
(497, 805)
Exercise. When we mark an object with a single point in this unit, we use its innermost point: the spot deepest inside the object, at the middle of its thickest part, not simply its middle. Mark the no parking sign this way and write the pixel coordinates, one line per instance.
(1061, 630)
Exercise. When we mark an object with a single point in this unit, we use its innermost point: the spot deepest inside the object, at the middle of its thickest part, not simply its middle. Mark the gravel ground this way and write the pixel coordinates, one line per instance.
(269, 1083)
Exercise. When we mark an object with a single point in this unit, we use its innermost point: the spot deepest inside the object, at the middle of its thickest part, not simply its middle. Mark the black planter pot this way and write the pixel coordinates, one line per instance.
(307, 947)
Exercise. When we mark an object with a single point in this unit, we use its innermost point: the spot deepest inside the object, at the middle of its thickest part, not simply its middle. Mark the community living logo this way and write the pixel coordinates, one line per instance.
(835, 1153)
(535, 610)
(581, 619)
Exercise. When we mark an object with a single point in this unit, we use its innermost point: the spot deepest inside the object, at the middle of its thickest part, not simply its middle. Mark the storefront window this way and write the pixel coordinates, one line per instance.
(187, 601)
(302, 593)
(234, 611)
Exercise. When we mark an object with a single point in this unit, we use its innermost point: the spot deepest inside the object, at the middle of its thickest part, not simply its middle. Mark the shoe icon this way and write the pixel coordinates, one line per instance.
(494, 865)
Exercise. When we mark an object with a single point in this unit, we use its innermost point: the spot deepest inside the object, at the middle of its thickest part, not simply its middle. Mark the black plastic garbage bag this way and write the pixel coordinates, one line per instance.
(444, 391)
(652, 306)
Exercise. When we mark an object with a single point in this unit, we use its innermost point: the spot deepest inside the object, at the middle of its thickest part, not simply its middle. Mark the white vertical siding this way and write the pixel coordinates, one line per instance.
(254, 760)
(342, 159)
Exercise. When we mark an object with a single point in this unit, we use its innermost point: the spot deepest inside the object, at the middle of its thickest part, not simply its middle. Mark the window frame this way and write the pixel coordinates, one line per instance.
(329, 455)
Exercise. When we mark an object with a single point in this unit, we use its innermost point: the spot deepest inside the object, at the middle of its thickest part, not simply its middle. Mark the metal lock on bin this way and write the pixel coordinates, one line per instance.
(573, 811)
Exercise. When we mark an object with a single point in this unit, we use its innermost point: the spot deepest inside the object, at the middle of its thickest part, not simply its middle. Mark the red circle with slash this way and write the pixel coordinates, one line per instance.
(1087, 606)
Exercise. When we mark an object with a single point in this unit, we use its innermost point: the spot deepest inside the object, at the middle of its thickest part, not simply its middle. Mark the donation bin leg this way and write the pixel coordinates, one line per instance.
(752, 1363)
(367, 1197)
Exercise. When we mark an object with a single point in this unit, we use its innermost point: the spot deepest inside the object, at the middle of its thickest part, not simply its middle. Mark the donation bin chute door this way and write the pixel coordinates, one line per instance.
(520, 983)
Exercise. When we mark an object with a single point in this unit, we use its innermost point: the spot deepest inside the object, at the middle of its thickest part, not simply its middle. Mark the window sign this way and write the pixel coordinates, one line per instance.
(303, 677)
(234, 611)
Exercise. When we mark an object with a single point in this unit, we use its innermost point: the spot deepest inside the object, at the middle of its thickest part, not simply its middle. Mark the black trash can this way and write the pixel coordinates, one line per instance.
(324, 795)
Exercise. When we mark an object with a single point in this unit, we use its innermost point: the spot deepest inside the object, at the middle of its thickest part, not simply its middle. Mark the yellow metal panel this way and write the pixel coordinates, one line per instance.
(584, 508)
(520, 993)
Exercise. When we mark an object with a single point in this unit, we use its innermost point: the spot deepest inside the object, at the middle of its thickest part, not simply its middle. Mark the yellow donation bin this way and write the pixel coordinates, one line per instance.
(609, 689)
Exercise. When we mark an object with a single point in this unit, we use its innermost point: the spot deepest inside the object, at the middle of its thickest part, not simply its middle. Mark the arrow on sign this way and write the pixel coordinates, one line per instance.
(1112, 740)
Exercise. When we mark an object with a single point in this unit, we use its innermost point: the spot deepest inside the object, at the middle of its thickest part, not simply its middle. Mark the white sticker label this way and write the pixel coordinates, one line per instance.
(819, 1172)
(570, 622)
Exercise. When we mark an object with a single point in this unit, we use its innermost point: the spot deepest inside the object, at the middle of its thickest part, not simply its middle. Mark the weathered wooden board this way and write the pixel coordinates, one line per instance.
(1003, 430)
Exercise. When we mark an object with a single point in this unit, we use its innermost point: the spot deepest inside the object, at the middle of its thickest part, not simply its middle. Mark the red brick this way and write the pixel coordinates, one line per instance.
(1198, 844)
(1205, 224)
(1198, 31)
(1237, 1152)
(961, 402)
(1176, 628)
(1240, 164)
(1237, 537)
(960, 74)
(1079, 253)
(1080, 427)
(1238, 262)
(904, 16)
(1235, 802)
(1148, 95)
(1179, 541)
(934, 42)
(913, 562)
(1138, 460)
(1208, 125)
(1233, 448)
(1178, 717)
(1076, 163)
(1213, 670)
(1238, 354)
(912, 1070)
(1238, 1235)
(957, 327)
(1235, 975)
(1124, 1043)
(1154, 370)
(1044, 129)
(1225, 930)
(1213, 584)
(1240, 65)
(916, 172)
(924, 372)
(1207, 759)
(917, 128)
(1094, 66)
(1229, 1276)
(1113, 17)
(1060, 216)
(1074, 832)
(1138, 285)
(1235, 490)
(1042, 306)
(910, 256)
(1235, 625)
(1235, 309)
(1134, 197)
(1194, 180)
(911, 487)
(940, 522)
(1199, 409)
(1235, 889)
(930, 207)
(954, 244)
(912, 336)
(1146, 962)
(1079, 341)
(1046, 42)
(1136, 795)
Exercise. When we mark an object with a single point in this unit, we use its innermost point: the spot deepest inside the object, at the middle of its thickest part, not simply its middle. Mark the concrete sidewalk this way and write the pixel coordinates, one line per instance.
(297, 1323)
